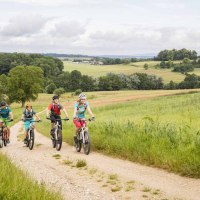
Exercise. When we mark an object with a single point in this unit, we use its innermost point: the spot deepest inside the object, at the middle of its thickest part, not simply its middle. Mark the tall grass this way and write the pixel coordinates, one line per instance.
(14, 184)
(162, 132)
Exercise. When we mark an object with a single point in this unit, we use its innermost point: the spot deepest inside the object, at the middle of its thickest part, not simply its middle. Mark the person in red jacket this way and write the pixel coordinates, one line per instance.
(54, 112)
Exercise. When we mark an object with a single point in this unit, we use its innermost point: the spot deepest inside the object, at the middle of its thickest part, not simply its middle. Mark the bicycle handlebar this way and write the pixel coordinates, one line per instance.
(30, 119)
(57, 119)
(90, 119)
(9, 120)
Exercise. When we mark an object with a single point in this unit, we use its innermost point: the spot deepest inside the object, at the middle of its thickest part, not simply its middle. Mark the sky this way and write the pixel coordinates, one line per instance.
(99, 27)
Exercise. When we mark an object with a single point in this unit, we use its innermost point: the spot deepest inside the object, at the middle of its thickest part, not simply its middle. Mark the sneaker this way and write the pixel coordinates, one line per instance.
(75, 139)
(25, 140)
(8, 141)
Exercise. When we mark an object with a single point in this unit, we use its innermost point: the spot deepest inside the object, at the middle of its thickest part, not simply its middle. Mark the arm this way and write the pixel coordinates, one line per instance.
(38, 118)
(64, 110)
(11, 115)
(90, 111)
(48, 112)
(22, 117)
(74, 114)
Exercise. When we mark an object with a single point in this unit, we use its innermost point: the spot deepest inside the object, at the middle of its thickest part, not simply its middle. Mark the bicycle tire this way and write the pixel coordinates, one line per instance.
(31, 141)
(1, 143)
(78, 144)
(86, 145)
(59, 140)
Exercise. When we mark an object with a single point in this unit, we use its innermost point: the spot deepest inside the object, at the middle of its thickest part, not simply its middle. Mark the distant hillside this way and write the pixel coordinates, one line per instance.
(57, 55)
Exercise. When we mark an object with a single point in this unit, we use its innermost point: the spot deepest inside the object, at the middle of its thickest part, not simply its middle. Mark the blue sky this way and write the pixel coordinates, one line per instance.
(94, 27)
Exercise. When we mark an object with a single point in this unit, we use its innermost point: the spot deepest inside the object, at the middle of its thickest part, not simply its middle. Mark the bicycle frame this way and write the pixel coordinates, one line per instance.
(56, 127)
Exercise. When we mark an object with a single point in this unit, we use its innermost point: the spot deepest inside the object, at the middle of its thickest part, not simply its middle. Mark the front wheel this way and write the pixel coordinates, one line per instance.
(5, 142)
(59, 140)
(78, 143)
(86, 146)
(31, 141)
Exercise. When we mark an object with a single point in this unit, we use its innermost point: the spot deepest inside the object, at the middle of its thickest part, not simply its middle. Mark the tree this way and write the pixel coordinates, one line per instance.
(24, 83)
(146, 66)
(59, 91)
(75, 80)
(50, 88)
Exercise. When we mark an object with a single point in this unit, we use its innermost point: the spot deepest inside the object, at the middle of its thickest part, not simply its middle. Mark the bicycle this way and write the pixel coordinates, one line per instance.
(83, 137)
(4, 140)
(30, 138)
(57, 135)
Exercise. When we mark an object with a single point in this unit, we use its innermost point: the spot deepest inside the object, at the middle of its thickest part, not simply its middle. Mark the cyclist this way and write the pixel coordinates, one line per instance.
(27, 117)
(79, 113)
(6, 114)
(54, 112)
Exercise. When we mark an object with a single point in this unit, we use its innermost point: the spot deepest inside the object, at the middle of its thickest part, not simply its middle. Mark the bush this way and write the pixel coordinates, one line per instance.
(50, 88)
(59, 91)
(78, 91)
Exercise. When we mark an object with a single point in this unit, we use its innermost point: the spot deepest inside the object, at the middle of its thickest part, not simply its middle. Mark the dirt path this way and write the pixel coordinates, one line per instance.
(103, 178)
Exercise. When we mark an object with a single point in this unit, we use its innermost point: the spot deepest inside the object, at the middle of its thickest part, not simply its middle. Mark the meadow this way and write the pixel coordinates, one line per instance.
(15, 184)
(100, 70)
(156, 128)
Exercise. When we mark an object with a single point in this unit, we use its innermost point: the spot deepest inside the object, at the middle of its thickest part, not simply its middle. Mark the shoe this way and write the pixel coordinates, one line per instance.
(75, 139)
(8, 141)
(25, 140)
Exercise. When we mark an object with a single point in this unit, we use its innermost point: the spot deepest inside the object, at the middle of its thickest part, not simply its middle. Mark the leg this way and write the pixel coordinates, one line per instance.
(77, 127)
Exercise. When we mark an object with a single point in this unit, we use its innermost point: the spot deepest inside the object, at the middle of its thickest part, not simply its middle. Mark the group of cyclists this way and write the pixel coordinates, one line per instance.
(53, 112)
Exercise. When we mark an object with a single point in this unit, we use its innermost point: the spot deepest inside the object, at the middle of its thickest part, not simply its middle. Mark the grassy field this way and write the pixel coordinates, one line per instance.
(14, 184)
(158, 128)
(100, 70)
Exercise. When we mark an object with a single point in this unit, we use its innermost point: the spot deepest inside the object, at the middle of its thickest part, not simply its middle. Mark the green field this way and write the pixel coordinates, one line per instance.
(100, 70)
(16, 185)
(140, 126)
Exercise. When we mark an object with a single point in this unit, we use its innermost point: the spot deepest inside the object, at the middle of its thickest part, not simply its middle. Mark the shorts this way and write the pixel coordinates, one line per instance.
(79, 123)
(27, 124)
(53, 119)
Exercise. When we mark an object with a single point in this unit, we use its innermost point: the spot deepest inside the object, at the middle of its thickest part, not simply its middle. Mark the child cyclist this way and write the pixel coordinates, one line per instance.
(6, 115)
(28, 118)
(79, 113)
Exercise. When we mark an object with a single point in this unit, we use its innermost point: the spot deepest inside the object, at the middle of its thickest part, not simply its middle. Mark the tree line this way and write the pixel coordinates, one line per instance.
(23, 83)
(166, 55)
(183, 67)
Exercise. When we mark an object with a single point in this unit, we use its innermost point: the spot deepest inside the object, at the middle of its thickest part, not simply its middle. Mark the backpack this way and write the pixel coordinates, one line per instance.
(28, 114)
(85, 106)
(53, 106)
(7, 111)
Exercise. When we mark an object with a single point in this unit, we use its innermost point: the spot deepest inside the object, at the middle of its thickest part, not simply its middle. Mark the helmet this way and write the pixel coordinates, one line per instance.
(82, 96)
(28, 105)
(3, 103)
(55, 97)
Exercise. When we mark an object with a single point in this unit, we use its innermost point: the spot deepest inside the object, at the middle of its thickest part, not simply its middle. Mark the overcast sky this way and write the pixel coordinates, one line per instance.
(99, 27)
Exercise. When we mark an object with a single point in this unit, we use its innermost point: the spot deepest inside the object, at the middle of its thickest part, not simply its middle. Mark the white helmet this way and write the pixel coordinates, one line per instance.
(82, 96)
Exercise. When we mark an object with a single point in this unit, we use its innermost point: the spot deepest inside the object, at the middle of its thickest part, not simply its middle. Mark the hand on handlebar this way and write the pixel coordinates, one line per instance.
(66, 119)
(92, 119)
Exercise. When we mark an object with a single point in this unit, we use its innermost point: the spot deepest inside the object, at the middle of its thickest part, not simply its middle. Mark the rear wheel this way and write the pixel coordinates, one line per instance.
(86, 146)
(31, 141)
(1, 142)
(59, 140)
(5, 138)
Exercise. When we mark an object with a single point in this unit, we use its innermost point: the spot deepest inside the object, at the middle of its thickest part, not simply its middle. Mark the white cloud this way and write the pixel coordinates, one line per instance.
(23, 25)
(68, 29)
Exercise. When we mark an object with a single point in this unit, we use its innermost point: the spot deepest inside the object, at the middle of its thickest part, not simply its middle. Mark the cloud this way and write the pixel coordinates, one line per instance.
(23, 25)
(149, 39)
(68, 29)
(54, 3)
